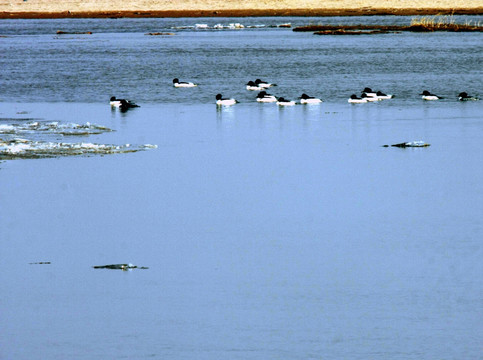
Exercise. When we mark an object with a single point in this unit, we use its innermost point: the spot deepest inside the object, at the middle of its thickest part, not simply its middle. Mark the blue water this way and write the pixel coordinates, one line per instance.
(269, 233)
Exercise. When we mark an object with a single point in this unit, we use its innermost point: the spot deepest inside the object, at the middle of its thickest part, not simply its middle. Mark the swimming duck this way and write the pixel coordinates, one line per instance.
(369, 92)
(254, 87)
(177, 83)
(266, 98)
(284, 102)
(465, 97)
(426, 95)
(122, 103)
(263, 84)
(357, 100)
(381, 96)
(221, 101)
(305, 99)
(369, 98)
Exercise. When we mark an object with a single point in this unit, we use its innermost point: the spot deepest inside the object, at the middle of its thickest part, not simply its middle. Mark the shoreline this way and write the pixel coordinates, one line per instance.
(240, 13)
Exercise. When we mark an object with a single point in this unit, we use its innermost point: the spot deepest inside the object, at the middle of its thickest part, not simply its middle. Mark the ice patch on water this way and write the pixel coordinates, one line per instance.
(230, 26)
(54, 127)
(27, 149)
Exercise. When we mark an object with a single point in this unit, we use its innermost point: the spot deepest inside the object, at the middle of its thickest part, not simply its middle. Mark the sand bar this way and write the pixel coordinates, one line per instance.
(230, 8)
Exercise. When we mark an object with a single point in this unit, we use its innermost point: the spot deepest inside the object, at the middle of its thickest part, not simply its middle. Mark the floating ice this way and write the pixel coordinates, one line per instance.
(54, 127)
(27, 149)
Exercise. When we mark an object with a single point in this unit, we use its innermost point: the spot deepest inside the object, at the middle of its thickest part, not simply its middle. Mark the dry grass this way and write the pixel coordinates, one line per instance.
(442, 23)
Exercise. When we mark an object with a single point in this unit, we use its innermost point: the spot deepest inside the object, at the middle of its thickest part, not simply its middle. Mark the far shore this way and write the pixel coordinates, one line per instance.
(241, 13)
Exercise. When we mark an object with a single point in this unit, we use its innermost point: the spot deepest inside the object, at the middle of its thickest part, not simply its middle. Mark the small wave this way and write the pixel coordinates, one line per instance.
(27, 149)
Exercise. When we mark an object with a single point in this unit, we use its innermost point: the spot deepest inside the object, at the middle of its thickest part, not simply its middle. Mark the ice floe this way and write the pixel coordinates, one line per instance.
(19, 148)
(54, 127)
(230, 26)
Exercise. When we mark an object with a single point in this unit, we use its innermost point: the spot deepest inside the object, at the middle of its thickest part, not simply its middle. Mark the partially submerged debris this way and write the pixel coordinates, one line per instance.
(123, 267)
(410, 144)
(159, 33)
(60, 32)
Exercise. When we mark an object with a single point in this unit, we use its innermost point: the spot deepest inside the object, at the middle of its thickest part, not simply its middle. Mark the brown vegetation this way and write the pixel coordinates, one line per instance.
(418, 24)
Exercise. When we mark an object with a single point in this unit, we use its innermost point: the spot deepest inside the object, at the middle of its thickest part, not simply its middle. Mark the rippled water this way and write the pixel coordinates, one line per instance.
(279, 233)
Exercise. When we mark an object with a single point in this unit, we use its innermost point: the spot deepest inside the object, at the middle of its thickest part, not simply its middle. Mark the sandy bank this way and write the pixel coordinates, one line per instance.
(230, 8)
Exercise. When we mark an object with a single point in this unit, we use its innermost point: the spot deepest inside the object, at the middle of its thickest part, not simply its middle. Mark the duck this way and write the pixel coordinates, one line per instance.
(226, 102)
(463, 96)
(305, 99)
(357, 100)
(381, 96)
(177, 83)
(266, 98)
(263, 84)
(426, 95)
(284, 102)
(254, 87)
(369, 98)
(369, 92)
(122, 103)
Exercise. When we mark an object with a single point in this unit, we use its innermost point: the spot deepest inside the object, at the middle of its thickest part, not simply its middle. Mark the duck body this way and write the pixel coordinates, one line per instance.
(426, 95)
(284, 102)
(369, 92)
(254, 87)
(224, 102)
(263, 84)
(369, 98)
(266, 98)
(305, 99)
(181, 84)
(357, 100)
(381, 96)
(122, 103)
(463, 96)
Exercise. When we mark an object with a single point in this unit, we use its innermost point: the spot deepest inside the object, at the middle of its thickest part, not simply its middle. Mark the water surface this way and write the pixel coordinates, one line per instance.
(279, 233)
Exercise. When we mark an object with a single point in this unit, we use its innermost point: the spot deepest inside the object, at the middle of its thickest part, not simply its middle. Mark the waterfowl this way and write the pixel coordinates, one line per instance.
(369, 92)
(381, 96)
(426, 95)
(369, 98)
(305, 99)
(263, 84)
(463, 96)
(122, 103)
(177, 83)
(284, 102)
(253, 87)
(221, 101)
(357, 100)
(266, 98)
